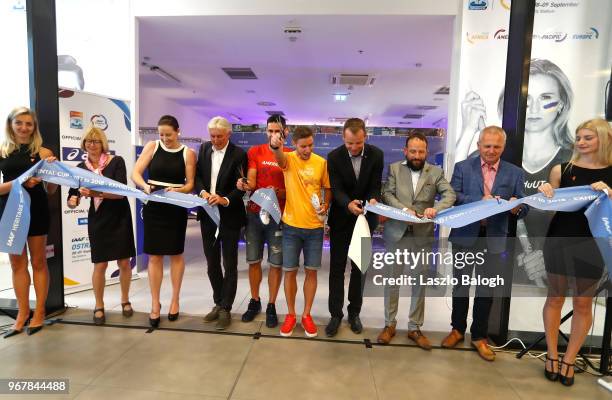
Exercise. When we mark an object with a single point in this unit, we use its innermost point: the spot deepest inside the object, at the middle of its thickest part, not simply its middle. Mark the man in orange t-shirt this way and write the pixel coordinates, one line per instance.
(264, 172)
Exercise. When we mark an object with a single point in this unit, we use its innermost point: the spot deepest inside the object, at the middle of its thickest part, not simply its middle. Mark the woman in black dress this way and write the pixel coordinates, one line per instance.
(109, 222)
(573, 260)
(20, 150)
(171, 167)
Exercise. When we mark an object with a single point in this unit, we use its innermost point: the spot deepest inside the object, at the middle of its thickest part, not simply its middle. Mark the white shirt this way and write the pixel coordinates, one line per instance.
(216, 159)
(415, 179)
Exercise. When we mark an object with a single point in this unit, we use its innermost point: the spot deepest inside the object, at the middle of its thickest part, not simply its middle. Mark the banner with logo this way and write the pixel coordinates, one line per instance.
(569, 70)
(78, 111)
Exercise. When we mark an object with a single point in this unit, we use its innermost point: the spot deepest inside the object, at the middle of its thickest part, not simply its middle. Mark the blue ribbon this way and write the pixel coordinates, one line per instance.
(267, 200)
(15, 220)
(598, 212)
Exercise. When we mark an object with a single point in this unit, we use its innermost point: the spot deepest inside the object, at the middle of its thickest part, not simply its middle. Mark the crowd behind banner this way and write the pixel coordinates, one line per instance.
(292, 194)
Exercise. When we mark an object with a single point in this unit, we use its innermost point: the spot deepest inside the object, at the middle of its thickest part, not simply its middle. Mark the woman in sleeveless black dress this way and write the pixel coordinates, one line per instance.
(171, 167)
(20, 150)
(109, 222)
(573, 260)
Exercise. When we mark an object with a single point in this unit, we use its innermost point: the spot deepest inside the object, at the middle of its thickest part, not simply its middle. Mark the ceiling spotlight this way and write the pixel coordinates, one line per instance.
(266, 103)
(418, 65)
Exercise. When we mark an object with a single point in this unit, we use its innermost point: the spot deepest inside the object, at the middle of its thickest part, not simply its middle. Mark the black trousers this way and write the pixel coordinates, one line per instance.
(225, 247)
(484, 294)
(339, 241)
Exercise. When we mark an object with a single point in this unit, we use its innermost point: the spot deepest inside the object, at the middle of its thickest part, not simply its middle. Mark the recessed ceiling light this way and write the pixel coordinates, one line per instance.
(266, 103)
(405, 123)
(251, 91)
(340, 97)
(438, 99)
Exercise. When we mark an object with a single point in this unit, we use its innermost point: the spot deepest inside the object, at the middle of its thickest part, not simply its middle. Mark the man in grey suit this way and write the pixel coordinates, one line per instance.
(412, 185)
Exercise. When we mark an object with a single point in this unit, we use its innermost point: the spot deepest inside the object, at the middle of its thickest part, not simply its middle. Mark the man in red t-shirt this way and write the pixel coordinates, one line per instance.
(264, 172)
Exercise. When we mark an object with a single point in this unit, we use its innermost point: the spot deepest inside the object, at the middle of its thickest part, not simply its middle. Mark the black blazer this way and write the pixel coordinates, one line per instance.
(346, 188)
(234, 161)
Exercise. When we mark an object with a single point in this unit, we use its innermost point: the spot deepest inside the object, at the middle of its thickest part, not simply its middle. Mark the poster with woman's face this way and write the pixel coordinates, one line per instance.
(569, 55)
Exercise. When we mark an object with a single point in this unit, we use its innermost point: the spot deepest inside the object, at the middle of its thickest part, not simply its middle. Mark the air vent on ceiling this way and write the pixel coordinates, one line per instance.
(338, 119)
(240, 73)
(443, 90)
(413, 116)
(275, 112)
(352, 79)
(425, 108)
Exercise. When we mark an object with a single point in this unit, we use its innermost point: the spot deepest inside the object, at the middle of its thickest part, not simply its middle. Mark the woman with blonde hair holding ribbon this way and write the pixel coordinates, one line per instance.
(573, 259)
(19, 151)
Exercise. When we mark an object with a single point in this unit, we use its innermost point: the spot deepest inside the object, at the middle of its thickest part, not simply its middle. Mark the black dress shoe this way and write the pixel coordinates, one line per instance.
(12, 332)
(355, 324)
(332, 326)
(173, 317)
(30, 330)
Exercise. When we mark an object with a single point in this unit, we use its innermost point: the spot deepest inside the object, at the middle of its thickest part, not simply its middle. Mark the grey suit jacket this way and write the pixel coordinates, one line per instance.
(398, 193)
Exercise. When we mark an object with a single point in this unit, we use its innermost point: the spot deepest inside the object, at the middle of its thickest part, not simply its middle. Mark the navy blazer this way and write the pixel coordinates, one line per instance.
(468, 184)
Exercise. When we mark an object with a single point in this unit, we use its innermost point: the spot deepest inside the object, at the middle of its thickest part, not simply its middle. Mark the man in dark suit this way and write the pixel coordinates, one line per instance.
(481, 178)
(220, 165)
(355, 173)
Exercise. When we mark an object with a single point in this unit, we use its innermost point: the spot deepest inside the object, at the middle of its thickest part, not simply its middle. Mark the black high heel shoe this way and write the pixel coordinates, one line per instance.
(551, 375)
(564, 379)
(30, 330)
(12, 332)
(172, 317)
(154, 322)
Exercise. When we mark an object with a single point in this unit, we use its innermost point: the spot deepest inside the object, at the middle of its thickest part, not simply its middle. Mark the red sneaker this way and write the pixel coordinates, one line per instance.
(310, 329)
(287, 327)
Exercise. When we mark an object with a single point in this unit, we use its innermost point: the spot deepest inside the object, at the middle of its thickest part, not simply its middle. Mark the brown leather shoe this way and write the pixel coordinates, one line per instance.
(386, 335)
(420, 339)
(452, 339)
(484, 350)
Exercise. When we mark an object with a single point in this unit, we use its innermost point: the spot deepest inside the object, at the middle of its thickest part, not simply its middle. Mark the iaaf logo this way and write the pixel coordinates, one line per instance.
(501, 34)
(99, 121)
(475, 37)
(591, 34)
(556, 36)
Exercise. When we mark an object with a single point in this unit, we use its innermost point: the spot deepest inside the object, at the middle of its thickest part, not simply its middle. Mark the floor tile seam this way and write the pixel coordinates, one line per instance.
(369, 355)
(246, 358)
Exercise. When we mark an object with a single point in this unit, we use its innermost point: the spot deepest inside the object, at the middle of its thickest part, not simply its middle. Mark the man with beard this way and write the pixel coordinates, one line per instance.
(412, 185)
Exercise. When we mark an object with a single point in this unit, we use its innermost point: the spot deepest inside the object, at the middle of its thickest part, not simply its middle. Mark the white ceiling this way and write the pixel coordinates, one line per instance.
(295, 75)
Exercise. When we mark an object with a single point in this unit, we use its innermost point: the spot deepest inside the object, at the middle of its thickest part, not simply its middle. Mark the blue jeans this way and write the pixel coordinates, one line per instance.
(297, 239)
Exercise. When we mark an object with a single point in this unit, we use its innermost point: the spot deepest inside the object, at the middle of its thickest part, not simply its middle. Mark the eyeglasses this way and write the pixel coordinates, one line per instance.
(90, 141)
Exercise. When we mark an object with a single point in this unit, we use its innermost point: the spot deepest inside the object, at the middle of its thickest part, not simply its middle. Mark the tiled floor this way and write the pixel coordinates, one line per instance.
(188, 359)
(129, 363)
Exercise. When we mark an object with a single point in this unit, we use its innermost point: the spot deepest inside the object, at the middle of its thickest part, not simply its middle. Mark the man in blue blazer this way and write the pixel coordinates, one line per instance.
(481, 178)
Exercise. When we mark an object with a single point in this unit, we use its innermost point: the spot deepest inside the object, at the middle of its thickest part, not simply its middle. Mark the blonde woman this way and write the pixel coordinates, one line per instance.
(573, 260)
(20, 150)
(109, 222)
